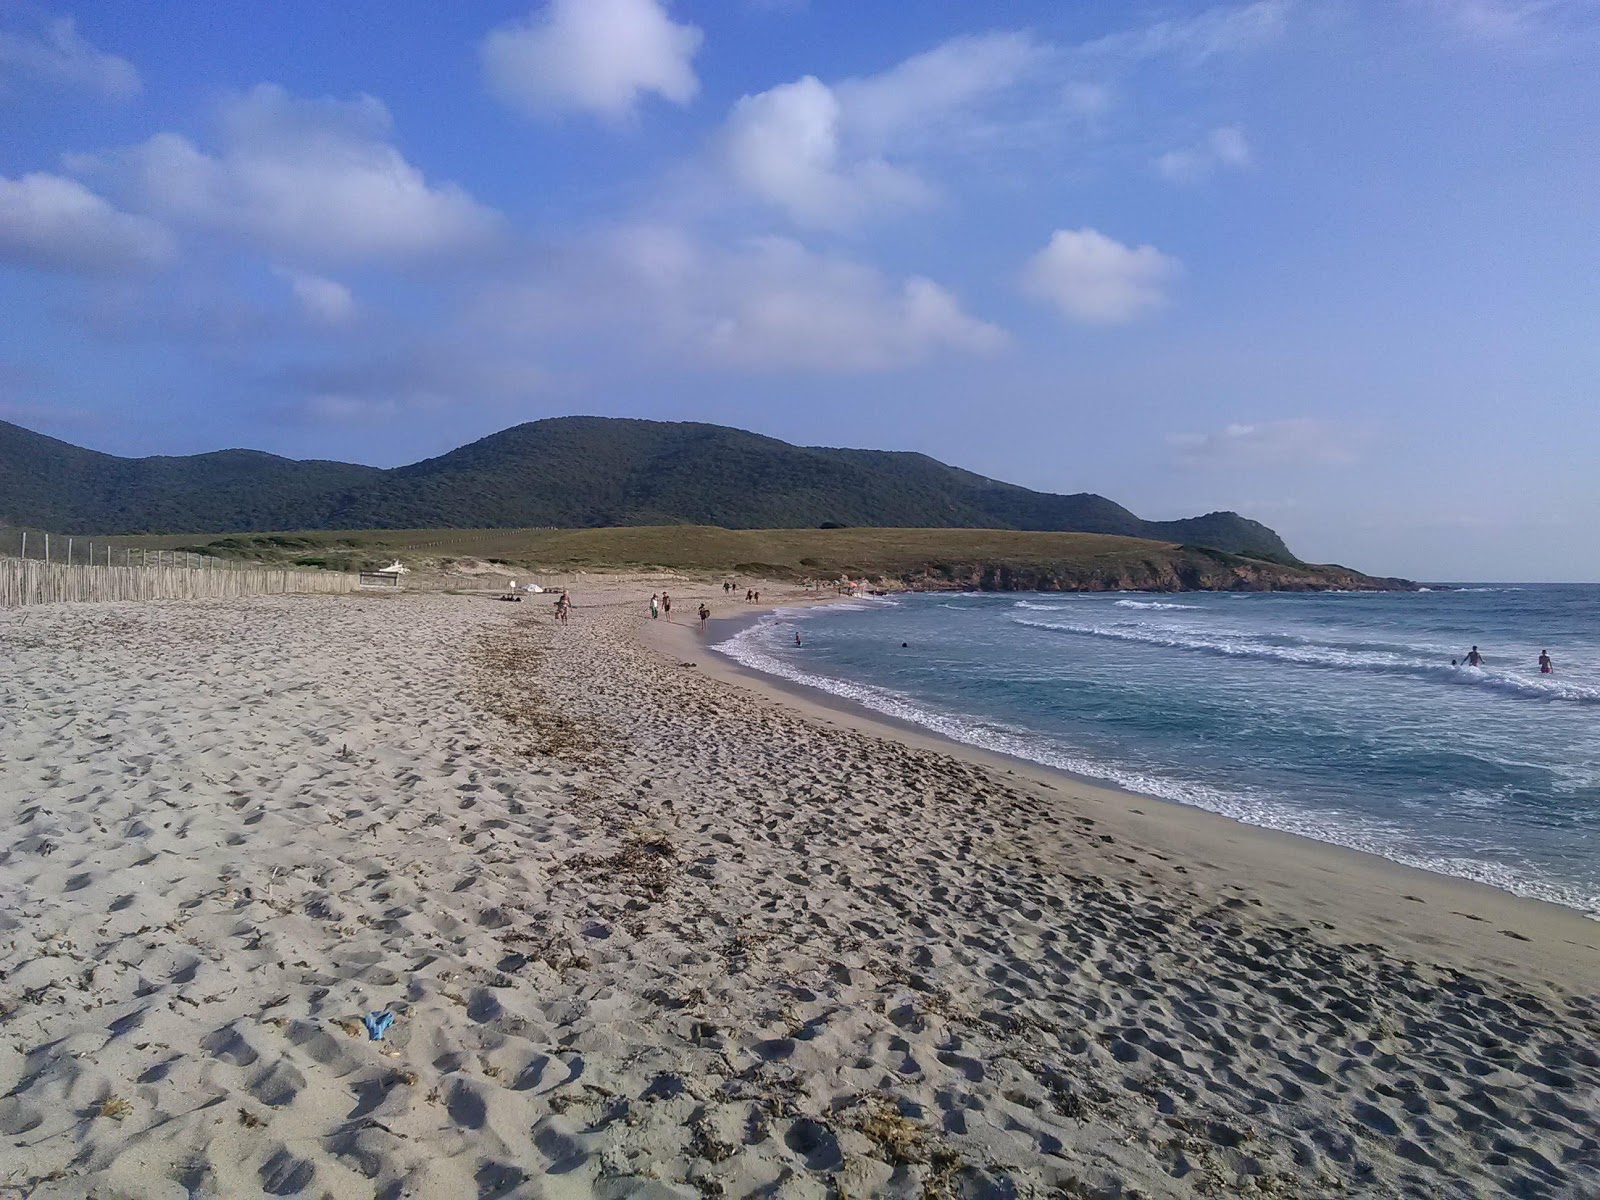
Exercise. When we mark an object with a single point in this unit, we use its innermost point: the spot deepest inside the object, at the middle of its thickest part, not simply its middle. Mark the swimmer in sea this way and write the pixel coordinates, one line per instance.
(1546, 667)
(1474, 659)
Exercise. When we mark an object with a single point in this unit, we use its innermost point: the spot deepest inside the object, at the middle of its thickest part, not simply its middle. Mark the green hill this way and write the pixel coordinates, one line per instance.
(572, 472)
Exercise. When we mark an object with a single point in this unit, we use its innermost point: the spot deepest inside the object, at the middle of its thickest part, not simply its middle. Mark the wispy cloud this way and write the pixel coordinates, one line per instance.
(324, 301)
(1511, 22)
(1222, 148)
(59, 56)
(826, 154)
(1289, 442)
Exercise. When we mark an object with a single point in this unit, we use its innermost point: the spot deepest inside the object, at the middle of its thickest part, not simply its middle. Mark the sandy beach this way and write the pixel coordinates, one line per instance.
(647, 926)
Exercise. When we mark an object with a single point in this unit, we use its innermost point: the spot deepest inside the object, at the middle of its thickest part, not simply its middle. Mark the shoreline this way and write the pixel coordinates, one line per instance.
(1359, 893)
(645, 926)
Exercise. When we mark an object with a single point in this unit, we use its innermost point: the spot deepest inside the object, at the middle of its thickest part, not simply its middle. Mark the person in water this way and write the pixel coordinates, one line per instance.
(1474, 659)
(1546, 667)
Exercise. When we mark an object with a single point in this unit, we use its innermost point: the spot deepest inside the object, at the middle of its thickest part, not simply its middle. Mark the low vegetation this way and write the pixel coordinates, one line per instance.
(996, 558)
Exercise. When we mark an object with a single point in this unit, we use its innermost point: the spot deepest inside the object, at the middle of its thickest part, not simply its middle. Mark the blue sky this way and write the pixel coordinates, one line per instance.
(1332, 263)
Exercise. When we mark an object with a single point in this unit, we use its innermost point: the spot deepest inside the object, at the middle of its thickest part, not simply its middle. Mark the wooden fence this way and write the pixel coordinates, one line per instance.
(33, 581)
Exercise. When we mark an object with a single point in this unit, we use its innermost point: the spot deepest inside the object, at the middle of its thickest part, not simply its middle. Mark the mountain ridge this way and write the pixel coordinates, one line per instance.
(569, 472)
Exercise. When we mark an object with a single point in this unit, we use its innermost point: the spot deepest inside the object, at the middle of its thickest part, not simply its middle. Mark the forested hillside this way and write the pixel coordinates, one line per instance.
(569, 472)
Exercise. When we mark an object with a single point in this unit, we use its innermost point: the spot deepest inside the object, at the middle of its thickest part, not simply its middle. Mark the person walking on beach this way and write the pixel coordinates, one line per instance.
(655, 606)
(1546, 667)
(666, 605)
(1474, 659)
(705, 615)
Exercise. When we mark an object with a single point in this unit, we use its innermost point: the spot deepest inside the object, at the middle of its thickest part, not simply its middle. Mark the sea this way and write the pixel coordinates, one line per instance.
(1345, 717)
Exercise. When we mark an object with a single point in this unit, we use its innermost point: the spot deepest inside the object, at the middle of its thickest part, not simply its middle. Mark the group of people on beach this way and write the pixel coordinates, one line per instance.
(751, 596)
(1474, 658)
(661, 605)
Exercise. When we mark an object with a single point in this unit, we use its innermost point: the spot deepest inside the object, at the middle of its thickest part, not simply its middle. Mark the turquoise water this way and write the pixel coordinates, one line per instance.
(1335, 716)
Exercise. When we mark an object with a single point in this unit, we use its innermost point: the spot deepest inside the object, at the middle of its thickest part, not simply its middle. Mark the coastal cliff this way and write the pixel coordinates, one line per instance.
(1183, 570)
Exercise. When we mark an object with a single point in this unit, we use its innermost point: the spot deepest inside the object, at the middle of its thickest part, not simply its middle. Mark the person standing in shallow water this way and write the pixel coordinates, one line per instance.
(1474, 659)
(1546, 667)
(705, 615)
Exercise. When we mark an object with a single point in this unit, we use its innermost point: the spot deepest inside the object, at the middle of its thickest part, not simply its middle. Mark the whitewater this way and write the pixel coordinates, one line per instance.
(1336, 716)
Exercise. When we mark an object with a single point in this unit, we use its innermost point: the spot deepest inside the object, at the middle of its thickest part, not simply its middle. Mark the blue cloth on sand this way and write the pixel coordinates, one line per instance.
(377, 1023)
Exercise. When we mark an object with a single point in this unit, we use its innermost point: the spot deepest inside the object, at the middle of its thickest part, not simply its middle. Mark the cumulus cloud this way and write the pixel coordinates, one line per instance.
(598, 56)
(51, 223)
(822, 153)
(1296, 441)
(325, 301)
(59, 56)
(784, 146)
(777, 305)
(1223, 148)
(1094, 279)
(312, 179)
(762, 304)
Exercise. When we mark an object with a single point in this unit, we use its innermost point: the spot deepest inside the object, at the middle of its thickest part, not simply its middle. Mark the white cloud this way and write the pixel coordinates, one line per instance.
(596, 56)
(820, 152)
(311, 179)
(1224, 147)
(60, 56)
(1095, 279)
(1296, 441)
(53, 223)
(784, 146)
(764, 304)
(325, 301)
(778, 306)
(926, 87)
(1225, 29)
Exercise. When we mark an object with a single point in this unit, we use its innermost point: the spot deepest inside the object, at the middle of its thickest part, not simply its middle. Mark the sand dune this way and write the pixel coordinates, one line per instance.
(647, 932)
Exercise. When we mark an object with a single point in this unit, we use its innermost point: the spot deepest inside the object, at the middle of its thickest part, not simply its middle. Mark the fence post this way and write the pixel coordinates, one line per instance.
(47, 547)
(24, 543)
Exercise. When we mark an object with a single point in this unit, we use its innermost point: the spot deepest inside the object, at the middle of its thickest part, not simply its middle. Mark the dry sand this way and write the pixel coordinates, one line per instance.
(651, 929)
